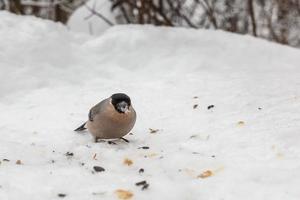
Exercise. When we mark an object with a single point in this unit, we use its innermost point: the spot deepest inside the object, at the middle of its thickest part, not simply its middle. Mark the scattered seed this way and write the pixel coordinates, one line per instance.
(99, 169)
(141, 170)
(124, 194)
(213, 156)
(195, 106)
(195, 97)
(111, 142)
(69, 154)
(259, 108)
(6, 160)
(128, 162)
(62, 195)
(210, 107)
(94, 157)
(52, 161)
(145, 186)
(241, 123)
(141, 183)
(19, 162)
(153, 130)
(205, 174)
(193, 136)
(144, 147)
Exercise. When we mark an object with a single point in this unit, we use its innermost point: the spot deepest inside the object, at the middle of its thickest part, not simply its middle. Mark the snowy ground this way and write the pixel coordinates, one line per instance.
(246, 147)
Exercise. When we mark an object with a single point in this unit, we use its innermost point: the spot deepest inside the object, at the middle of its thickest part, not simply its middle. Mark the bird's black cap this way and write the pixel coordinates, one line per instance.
(118, 97)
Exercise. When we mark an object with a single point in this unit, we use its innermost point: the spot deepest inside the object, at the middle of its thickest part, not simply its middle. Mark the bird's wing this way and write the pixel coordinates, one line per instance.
(91, 115)
(97, 109)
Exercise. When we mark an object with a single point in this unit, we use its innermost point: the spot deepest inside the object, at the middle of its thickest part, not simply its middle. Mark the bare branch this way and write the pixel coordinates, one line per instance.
(178, 12)
(94, 12)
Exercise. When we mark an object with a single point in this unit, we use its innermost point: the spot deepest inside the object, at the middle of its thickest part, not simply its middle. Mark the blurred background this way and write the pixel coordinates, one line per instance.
(274, 20)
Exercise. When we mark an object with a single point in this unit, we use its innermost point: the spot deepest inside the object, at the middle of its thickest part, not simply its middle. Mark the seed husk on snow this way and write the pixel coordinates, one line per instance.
(18, 162)
(141, 170)
(69, 154)
(210, 107)
(153, 130)
(141, 183)
(241, 123)
(127, 162)
(205, 174)
(61, 195)
(193, 136)
(195, 106)
(124, 194)
(144, 147)
(145, 186)
(98, 169)
(94, 157)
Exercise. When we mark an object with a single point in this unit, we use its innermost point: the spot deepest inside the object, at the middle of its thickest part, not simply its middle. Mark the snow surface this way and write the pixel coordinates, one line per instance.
(50, 77)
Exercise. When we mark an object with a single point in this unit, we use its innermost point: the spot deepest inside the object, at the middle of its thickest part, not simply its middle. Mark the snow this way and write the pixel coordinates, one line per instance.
(50, 77)
(82, 20)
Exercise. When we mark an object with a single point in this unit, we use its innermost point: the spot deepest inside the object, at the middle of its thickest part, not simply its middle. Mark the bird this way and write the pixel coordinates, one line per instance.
(112, 118)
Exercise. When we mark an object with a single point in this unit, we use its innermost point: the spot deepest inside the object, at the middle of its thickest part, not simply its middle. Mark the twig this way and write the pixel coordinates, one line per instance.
(94, 12)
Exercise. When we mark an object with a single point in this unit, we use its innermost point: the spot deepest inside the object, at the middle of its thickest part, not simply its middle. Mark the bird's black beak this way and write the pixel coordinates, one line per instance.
(122, 107)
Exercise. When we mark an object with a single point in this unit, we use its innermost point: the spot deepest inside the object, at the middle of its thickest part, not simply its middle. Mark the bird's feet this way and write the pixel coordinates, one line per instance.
(98, 140)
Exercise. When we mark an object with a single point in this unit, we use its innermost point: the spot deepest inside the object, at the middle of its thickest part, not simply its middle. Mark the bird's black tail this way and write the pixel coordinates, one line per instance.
(81, 128)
